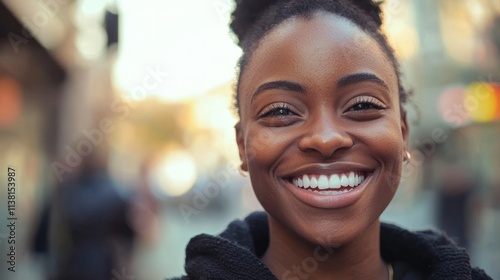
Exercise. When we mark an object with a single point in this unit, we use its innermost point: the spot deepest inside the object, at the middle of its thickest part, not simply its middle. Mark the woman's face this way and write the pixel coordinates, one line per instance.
(321, 129)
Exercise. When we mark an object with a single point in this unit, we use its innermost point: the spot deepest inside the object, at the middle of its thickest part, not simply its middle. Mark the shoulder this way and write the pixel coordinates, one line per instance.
(428, 252)
(479, 274)
(233, 254)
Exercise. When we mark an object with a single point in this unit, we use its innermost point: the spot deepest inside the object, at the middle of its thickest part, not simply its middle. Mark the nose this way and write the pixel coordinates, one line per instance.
(325, 137)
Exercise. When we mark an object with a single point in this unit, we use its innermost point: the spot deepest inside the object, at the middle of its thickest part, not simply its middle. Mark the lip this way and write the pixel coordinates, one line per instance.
(333, 201)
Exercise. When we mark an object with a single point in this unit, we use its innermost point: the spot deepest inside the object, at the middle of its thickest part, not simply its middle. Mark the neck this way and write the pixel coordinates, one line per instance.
(291, 257)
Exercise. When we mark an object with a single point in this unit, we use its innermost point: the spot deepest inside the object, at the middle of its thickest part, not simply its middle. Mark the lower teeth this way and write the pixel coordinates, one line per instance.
(332, 192)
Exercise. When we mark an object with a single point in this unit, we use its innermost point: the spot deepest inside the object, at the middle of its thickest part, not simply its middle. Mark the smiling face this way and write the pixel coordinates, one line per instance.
(321, 131)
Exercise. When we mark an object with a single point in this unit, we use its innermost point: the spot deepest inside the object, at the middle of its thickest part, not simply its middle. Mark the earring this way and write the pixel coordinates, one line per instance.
(242, 172)
(407, 157)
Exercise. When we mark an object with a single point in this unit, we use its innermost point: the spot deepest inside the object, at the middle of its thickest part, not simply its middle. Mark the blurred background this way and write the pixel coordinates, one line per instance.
(117, 118)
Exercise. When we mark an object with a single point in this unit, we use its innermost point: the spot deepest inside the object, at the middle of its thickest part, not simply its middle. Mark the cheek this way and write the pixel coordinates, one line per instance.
(264, 147)
(384, 142)
(383, 138)
(264, 150)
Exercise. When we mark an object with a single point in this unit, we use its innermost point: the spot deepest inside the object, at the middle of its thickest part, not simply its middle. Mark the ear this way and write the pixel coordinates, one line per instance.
(405, 130)
(241, 146)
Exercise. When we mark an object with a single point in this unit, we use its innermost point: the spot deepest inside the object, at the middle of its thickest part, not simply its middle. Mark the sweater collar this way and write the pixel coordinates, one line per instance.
(234, 254)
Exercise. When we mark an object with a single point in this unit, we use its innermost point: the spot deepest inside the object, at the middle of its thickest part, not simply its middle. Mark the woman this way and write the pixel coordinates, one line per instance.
(323, 135)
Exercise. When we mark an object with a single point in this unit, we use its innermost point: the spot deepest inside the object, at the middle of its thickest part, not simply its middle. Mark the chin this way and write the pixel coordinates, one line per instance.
(335, 235)
(332, 229)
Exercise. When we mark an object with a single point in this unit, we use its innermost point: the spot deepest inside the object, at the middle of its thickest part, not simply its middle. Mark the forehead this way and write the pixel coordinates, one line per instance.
(318, 49)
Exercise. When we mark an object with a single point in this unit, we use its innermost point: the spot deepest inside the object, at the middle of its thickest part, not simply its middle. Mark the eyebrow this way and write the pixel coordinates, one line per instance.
(283, 85)
(360, 77)
(296, 87)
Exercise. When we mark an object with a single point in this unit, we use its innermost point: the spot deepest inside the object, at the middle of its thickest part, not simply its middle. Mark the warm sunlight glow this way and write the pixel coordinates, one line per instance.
(194, 55)
(458, 35)
(175, 174)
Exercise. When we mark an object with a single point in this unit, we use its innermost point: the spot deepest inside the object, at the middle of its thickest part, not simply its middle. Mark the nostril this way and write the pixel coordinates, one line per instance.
(325, 144)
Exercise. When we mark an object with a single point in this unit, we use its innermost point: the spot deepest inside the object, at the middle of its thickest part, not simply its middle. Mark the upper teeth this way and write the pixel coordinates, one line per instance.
(334, 181)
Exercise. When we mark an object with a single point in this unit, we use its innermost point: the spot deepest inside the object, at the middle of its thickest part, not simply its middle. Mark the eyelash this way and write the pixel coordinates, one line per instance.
(374, 103)
(275, 108)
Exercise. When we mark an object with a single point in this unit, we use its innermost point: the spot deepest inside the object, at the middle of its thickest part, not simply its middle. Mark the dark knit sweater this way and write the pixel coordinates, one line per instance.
(234, 254)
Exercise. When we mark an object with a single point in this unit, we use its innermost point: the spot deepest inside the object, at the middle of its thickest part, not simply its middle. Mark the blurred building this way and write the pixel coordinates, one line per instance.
(31, 87)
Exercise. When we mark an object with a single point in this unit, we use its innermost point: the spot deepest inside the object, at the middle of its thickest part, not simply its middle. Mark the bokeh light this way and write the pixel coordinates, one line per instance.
(451, 106)
(175, 173)
(481, 101)
(478, 102)
(10, 102)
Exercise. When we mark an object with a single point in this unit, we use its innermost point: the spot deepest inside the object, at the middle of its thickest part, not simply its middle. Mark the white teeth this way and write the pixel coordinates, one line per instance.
(334, 192)
(314, 182)
(351, 180)
(361, 178)
(307, 182)
(344, 182)
(334, 181)
(323, 182)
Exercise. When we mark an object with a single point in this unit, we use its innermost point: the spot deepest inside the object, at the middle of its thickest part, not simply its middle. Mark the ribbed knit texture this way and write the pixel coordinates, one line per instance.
(432, 254)
(234, 254)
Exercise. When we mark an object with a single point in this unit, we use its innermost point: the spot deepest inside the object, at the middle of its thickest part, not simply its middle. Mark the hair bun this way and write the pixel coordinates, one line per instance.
(371, 8)
(246, 13)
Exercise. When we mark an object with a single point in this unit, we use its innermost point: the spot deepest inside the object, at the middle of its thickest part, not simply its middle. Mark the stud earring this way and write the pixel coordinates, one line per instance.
(407, 157)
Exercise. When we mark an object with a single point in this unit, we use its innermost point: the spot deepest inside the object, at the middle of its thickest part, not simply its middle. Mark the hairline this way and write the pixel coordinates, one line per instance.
(249, 49)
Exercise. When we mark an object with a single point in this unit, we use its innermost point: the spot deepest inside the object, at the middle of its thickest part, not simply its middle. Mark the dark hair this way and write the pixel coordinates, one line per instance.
(253, 19)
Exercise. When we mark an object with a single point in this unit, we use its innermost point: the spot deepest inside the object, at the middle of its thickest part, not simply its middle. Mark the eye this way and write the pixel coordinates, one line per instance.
(365, 106)
(278, 115)
(363, 103)
(277, 110)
